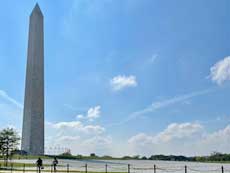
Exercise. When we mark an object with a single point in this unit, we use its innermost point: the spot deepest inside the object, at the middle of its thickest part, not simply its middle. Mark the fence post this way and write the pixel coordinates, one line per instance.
(185, 169)
(106, 166)
(11, 167)
(154, 168)
(51, 168)
(222, 169)
(86, 170)
(24, 166)
(67, 168)
(128, 168)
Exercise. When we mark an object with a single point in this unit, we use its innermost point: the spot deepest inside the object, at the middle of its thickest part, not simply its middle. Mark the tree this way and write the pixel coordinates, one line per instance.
(144, 158)
(136, 157)
(9, 141)
(92, 155)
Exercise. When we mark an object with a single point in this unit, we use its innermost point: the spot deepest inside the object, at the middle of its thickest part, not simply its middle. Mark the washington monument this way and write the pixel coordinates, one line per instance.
(33, 114)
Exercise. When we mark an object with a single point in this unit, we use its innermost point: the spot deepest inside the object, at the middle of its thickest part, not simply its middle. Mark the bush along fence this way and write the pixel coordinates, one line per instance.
(108, 168)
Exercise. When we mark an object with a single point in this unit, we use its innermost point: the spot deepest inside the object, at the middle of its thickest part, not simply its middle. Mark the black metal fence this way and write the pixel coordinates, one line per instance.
(110, 168)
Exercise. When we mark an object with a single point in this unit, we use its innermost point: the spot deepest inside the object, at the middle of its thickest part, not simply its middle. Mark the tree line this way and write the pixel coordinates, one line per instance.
(214, 157)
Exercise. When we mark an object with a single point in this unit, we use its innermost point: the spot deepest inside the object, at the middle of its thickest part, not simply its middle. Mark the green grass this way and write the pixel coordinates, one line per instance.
(29, 157)
(16, 165)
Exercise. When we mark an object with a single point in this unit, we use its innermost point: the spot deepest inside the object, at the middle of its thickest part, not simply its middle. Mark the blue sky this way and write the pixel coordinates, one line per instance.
(124, 76)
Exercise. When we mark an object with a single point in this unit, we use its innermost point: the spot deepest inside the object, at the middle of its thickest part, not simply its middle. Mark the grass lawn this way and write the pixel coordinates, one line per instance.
(16, 165)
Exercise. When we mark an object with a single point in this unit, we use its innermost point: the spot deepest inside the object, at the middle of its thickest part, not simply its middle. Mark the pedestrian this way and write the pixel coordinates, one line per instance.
(55, 162)
(39, 165)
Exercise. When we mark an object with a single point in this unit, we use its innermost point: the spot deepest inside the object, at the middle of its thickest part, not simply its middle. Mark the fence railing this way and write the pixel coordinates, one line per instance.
(109, 168)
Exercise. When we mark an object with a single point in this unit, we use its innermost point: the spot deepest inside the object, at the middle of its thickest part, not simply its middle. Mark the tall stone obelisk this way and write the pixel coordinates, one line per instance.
(33, 115)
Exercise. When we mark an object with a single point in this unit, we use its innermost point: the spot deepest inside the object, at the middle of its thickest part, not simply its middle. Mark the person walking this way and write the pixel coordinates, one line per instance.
(39, 165)
(55, 162)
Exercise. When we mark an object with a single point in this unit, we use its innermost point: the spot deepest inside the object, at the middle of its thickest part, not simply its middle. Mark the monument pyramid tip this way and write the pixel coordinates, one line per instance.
(37, 9)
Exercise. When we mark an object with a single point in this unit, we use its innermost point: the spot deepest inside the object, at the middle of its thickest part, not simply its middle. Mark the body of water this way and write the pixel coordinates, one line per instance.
(136, 166)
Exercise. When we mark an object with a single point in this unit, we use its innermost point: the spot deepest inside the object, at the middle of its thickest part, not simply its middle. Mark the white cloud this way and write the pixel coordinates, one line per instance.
(98, 140)
(71, 124)
(179, 131)
(92, 114)
(80, 138)
(98, 144)
(141, 139)
(76, 127)
(68, 138)
(173, 132)
(184, 138)
(80, 116)
(121, 82)
(220, 72)
(218, 141)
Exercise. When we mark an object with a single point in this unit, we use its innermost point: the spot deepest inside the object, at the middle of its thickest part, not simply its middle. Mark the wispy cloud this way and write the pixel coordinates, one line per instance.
(153, 58)
(73, 108)
(5, 96)
(163, 104)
